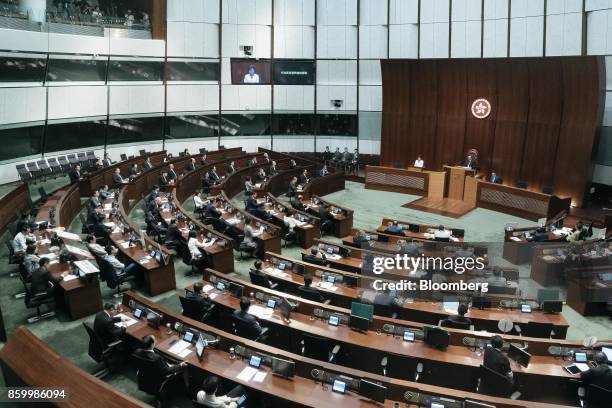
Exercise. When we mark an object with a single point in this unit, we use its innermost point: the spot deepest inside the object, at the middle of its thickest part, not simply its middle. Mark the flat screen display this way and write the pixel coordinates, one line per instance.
(251, 72)
(294, 72)
(76, 70)
(135, 70)
(192, 71)
(22, 69)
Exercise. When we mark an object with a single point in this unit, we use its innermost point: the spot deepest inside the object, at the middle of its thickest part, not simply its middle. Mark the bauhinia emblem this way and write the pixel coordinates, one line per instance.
(481, 108)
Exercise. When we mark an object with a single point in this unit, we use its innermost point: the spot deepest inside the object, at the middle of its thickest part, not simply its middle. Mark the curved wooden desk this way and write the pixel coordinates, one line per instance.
(16, 201)
(343, 219)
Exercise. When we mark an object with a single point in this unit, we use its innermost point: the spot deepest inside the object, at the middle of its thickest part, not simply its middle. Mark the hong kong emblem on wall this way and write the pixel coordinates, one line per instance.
(481, 108)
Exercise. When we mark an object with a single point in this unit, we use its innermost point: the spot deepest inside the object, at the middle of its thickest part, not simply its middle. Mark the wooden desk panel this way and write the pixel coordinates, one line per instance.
(397, 180)
(16, 200)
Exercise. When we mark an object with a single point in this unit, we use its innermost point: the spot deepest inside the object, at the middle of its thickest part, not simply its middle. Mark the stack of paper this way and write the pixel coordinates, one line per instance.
(179, 347)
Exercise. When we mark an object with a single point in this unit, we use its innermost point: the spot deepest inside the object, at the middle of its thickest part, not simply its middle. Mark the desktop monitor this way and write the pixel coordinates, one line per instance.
(271, 303)
(373, 391)
(408, 335)
(526, 308)
(520, 356)
(350, 281)
(343, 252)
(137, 313)
(436, 337)
(330, 250)
(476, 404)
(359, 323)
(580, 357)
(339, 386)
(200, 347)
(436, 405)
(236, 290)
(383, 238)
(255, 361)
(608, 352)
(285, 308)
(331, 279)
(220, 286)
(552, 306)
(299, 269)
(414, 228)
(281, 266)
(154, 319)
(547, 294)
(283, 368)
(333, 320)
(188, 336)
(481, 302)
(362, 310)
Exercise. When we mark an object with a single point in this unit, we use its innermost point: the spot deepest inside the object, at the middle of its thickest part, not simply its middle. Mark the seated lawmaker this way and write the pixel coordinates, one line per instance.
(494, 359)
(194, 246)
(163, 179)
(134, 171)
(360, 239)
(260, 177)
(497, 280)
(213, 176)
(75, 174)
(495, 178)
(173, 233)
(303, 179)
(117, 179)
(104, 325)
(470, 161)
(251, 203)
(119, 268)
(442, 233)
(394, 228)
(419, 163)
(316, 257)
(272, 169)
(292, 164)
(308, 292)
(601, 375)
(94, 248)
(248, 185)
(243, 315)
(203, 160)
(94, 201)
(31, 260)
(458, 321)
(147, 164)
(43, 282)
(296, 202)
(207, 395)
(148, 353)
(22, 239)
(198, 295)
(292, 187)
(231, 168)
(257, 271)
(323, 172)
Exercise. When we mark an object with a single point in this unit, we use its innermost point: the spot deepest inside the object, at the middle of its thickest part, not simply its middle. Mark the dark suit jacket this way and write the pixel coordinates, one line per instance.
(272, 170)
(104, 326)
(161, 364)
(204, 304)
(173, 233)
(297, 204)
(118, 180)
(212, 212)
(600, 376)
(496, 361)
(458, 322)
(172, 175)
(213, 176)
(204, 162)
(163, 181)
(315, 260)
(248, 319)
(190, 167)
(133, 171)
(230, 169)
(310, 293)
(472, 164)
(302, 179)
(146, 165)
(40, 280)
(251, 204)
(74, 176)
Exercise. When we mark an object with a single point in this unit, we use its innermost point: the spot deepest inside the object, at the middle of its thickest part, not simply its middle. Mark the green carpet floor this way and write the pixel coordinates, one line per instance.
(69, 337)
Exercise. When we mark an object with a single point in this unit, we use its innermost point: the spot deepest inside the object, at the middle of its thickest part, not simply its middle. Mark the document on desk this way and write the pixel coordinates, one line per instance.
(179, 347)
(44, 241)
(110, 224)
(233, 221)
(247, 374)
(515, 239)
(210, 243)
(68, 235)
(86, 266)
(78, 251)
(126, 320)
(68, 278)
(259, 311)
(207, 288)
(108, 206)
(326, 285)
(333, 257)
(582, 367)
(125, 245)
(260, 376)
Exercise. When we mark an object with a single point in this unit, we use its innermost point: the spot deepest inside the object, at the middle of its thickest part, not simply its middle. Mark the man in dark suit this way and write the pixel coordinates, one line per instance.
(152, 195)
(495, 359)
(600, 375)
(251, 203)
(244, 316)
(148, 353)
(495, 178)
(266, 159)
(296, 202)
(470, 162)
(323, 172)
(252, 161)
(104, 325)
(203, 160)
(134, 170)
(171, 173)
(258, 272)
(107, 160)
(292, 187)
(191, 165)
(117, 179)
(458, 321)
(315, 257)
(147, 164)
(272, 169)
(212, 174)
(173, 234)
(231, 168)
(42, 280)
(308, 292)
(94, 201)
(163, 179)
(211, 211)
(75, 174)
(200, 297)
(303, 179)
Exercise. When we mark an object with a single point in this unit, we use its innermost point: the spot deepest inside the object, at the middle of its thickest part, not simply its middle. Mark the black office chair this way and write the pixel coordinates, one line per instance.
(288, 237)
(597, 397)
(142, 152)
(243, 329)
(85, 228)
(43, 194)
(547, 190)
(193, 309)
(521, 184)
(14, 258)
(153, 382)
(493, 383)
(113, 280)
(397, 366)
(36, 300)
(455, 325)
(123, 156)
(261, 281)
(319, 348)
(311, 295)
(537, 329)
(109, 355)
(326, 227)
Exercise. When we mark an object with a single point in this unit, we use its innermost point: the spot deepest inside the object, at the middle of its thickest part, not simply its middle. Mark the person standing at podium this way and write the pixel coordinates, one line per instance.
(470, 161)
(419, 163)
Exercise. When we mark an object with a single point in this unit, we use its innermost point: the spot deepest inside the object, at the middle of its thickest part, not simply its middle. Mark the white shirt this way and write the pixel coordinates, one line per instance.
(419, 163)
(291, 222)
(199, 203)
(19, 242)
(214, 401)
(193, 244)
(248, 79)
(442, 234)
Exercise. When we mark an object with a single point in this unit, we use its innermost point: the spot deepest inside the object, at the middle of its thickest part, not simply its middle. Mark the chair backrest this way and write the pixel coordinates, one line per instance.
(537, 329)
(53, 161)
(91, 154)
(521, 184)
(598, 397)
(62, 160)
(316, 347)
(244, 329)
(258, 280)
(494, 383)
(455, 325)
(32, 166)
(149, 377)
(123, 156)
(107, 273)
(310, 295)
(191, 308)
(547, 190)
(96, 348)
(81, 155)
(400, 367)
(20, 166)
(43, 193)
(142, 152)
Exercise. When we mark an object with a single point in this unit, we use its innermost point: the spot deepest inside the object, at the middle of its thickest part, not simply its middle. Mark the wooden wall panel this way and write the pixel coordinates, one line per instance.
(545, 112)
(511, 120)
(543, 123)
(423, 112)
(582, 110)
(479, 133)
(452, 100)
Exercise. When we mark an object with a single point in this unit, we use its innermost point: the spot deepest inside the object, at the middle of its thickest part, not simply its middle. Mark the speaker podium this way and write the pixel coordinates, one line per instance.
(455, 180)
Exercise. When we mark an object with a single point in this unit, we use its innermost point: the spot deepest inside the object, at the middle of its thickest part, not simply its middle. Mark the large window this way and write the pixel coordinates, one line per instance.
(17, 69)
(245, 124)
(76, 70)
(135, 130)
(20, 142)
(293, 124)
(192, 126)
(192, 71)
(75, 135)
(122, 70)
(338, 125)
